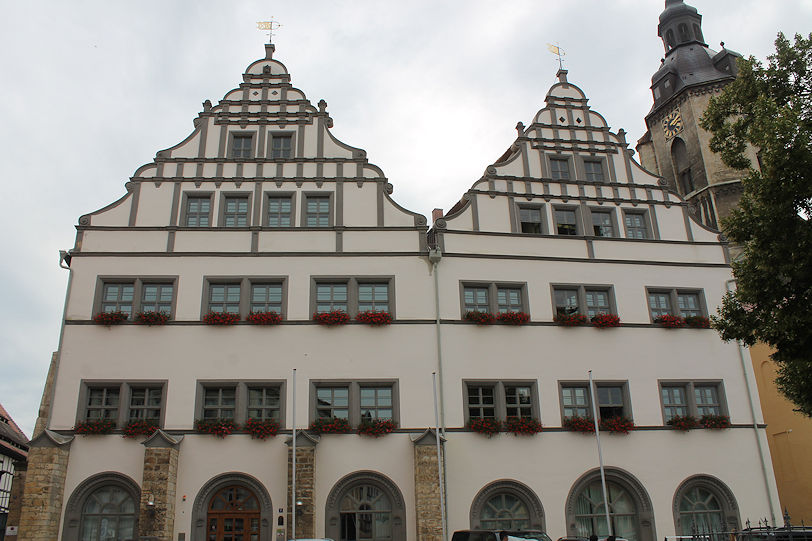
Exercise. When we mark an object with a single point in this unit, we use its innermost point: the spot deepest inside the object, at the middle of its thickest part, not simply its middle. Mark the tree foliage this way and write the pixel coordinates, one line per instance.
(770, 108)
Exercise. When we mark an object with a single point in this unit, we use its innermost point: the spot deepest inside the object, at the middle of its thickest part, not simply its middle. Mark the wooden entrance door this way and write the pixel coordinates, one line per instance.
(233, 515)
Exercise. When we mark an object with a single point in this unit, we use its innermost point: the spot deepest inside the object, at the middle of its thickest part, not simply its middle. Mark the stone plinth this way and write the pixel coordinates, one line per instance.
(158, 486)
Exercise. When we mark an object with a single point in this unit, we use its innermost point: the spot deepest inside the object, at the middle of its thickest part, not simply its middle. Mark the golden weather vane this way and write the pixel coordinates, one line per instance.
(270, 26)
(555, 49)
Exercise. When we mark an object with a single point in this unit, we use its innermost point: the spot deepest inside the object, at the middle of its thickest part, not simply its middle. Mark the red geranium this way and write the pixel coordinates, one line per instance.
(669, 322)
(140, 427)
(618, 425)
(101, 426)
(261, 429)
(480, 318)
(603, 321)
(524, 425)
(715, 421)
(151, 318)
(579, 424)
(682, 422)
(485, 426)
(376, 427)
(336, 317)
(570, 320)
(373, 318)
(513, 318)
(264, 318)
(218, 427)
(221, 318)
(330, 425)
(697, 322)
(111, 318)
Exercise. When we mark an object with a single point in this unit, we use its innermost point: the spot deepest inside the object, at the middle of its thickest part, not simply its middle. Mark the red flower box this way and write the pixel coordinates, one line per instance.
(513, 318)
(683, 423)
(376, 428)
(264, 318)
(603, 321)
(669, 322)
(330, 425)
(261, 429)
(618, 425)
(336, 317)
(151, 318)
(715, 421)
(140, 427)
(570, 320)
(103, 426)
(523, 426)
(221, 318)
(488, 427)
(373, 318)
(579, 424)
(480, 318)
(218, 427)
(110, 318)
(697, 322)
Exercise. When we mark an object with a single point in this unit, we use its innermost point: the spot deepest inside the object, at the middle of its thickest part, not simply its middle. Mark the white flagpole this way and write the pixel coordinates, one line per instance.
(293, 469)
(600, 452)
(439, 458)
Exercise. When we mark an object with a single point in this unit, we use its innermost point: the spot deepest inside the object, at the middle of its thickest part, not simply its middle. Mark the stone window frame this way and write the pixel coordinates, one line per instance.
(601, 161)
(71, 524)
(582, 289)
(568, 158)
(500, 402)
(217, 483)
(233, 134)
(579, 227)
(354, 387)
(185, 209)
(303, 213)
(689, 385)
(266, 197)
(673, 294)
(352, 290)
(543, 219)
(277, 134)
(124, 387)
(493, 291)
(245, 283)
(241, 396)
(138, 290)
(646, 223)
(515, 488)
(221, 213)
(332, 515)
(723, 494)
(612, 217)
(626, 394)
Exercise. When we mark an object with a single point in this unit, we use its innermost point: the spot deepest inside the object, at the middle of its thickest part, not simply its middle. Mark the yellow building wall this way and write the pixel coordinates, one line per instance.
(790, 437)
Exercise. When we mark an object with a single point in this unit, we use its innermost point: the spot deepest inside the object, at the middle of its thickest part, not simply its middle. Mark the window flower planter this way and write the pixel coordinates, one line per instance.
(487, 427)
(618, 425)
(697, 322)
(151, 318)
(330, 319)
(376, 428)
(570, 320)
(513, 318)
(264, 318)
(220, 318)
(110, 318)
(330, 425)
(669, 322)
(89, 428)
(480, 318)
(604, 321)
(522, 426)
(140, 427)
(715, 421)
(261, 430)
(217, 427)
(374, 319)
(683, 423)
(579, 424)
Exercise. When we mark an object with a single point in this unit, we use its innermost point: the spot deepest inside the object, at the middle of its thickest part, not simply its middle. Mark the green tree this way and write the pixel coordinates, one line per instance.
(770, 108)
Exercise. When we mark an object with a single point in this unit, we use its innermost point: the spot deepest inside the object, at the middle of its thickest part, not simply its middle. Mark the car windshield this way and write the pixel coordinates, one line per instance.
(539, 536)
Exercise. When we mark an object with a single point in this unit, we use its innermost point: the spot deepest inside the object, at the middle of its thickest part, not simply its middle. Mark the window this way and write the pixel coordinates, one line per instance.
(242, 145)
(594, 171)
(508, 299)
(355, 401)
(134, 295)
(603, 223)
(245, 295)
(197, 211)
(264, 403)
(109, 513)
(706, 507)
(266, 298)
(675, 302)
(613, 400)
(531, 219)
(235, 211)
(506, 505)
(500, 400)
(566, 222)
(145, 403)
(590, 514)
(281, 146)
(317, 211)
(240, 400)
(476, 299)
(365, 506)
(587, 300)
(493, 298)
(636, 227)
(233, 513)
(118, 297)
(102, 403)
(691, 398)
(559, 169)
(280, 211)
(219, 403)
(224, 298)
(352, 295)
(157, 298)
(121, 402)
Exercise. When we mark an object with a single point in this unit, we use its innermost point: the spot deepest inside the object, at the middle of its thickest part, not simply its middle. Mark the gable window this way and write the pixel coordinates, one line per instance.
(355, 401)
(242, 145)
(281, 146)
(353, 295)
(240, 400)
(531, 220)
(602, 223)
(636, 227)
(134, 295)
(317, 211)
(594, 171)
(587, 300)
(566, 222)
(695, 398)
(500, 400)
(559, 169)
(235, 211)
(612, 400)
(676, 302)
(198, 211)
(280, 210)
(493, 298)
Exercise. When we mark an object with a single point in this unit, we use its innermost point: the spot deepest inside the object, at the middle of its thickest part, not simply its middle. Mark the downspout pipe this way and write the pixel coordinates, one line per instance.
(435, 256)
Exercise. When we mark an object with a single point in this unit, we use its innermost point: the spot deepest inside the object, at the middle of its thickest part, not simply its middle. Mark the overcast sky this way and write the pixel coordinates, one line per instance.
(432, 90)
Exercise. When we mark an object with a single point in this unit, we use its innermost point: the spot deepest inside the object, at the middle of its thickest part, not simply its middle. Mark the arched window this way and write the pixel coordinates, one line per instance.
(365, 506)
(103, 508)
(698, 33)
(233, 514)
(704, 505)
(682, 167)
(507, 505)
(669, 40)
(683, 33)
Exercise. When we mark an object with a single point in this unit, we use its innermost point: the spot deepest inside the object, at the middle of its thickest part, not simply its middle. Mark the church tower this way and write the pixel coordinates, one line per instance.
(675, 146)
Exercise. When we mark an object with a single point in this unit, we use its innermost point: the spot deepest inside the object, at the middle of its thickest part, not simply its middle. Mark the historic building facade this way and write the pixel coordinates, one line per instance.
(13, 454)
(262, 210)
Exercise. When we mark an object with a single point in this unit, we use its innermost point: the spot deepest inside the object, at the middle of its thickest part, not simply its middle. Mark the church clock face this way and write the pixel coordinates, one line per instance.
(672, 124)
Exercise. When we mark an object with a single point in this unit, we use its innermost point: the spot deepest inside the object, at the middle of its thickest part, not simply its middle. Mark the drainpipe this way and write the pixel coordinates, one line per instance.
(762, 456)
(435, 255)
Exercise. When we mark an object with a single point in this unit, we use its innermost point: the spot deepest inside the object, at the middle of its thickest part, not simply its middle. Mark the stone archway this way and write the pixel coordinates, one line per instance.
(204, 496)
(365, 494)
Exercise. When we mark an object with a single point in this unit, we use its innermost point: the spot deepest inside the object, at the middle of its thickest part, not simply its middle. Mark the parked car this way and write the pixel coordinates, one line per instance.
(601, 538)
(493, 535)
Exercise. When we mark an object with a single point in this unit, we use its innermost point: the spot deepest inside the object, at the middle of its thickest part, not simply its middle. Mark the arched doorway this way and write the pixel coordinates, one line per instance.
(506, 505)
(365, 506)
(233, 515)
(103, 508)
